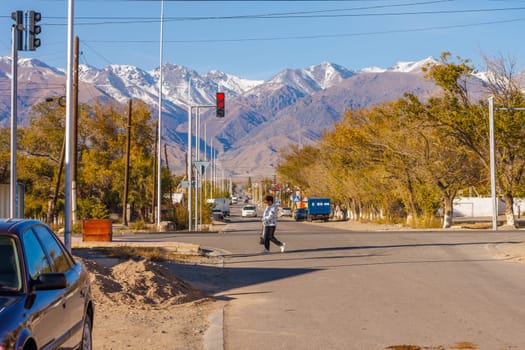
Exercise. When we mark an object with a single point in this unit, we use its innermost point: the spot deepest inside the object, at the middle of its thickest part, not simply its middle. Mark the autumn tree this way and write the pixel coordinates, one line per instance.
(296, 166)
(40, 153)
(509, 133)
(101, 173)
(459, 117)
(5, 155)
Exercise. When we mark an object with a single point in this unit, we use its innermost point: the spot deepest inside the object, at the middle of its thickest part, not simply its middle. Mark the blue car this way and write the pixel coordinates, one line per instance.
(45, 295)
(300, 214)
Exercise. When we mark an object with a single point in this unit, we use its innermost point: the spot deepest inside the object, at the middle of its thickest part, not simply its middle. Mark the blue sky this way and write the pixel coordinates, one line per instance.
(257, 39)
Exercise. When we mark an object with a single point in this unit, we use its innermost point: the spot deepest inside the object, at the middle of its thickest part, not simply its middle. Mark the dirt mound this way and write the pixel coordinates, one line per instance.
(138, 282)
(141, 304)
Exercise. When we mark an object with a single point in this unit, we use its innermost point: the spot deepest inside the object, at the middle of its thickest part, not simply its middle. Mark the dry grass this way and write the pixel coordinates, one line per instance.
(151, 253)
(465, 345)
(477, 226)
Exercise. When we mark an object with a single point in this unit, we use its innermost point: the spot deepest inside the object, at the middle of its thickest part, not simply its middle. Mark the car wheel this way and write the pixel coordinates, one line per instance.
(87, 343)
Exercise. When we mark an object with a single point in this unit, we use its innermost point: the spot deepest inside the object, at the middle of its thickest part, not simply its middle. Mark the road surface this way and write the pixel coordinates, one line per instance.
(338, 289)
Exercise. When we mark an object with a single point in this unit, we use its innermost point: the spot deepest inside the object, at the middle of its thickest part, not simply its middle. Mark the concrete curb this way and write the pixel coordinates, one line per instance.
(214, 335)
(186, 248)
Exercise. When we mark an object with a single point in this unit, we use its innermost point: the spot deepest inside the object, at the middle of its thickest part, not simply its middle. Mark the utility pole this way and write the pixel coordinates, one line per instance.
(68, 190)
(126, 171)
(17, 44)
(159, 140)
(154, 173)
(492, 145)
(15, 31)
(53, 203)
(75, 135)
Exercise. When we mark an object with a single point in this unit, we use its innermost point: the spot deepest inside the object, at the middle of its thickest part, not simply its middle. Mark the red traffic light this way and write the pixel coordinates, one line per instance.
(220, 104)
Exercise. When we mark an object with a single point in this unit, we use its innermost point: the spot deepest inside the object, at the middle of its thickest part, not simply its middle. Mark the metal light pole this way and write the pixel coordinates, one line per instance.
(197, 158)
(14, 83)
(68, 206)
(189, 161)
(198, 177)
(159, 145)
(493, 157)
(212, 172)
(493, 165)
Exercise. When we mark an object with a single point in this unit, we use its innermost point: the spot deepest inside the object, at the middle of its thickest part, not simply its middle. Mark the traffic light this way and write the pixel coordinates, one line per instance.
(220, 104)
(34, 30)
(18, 17)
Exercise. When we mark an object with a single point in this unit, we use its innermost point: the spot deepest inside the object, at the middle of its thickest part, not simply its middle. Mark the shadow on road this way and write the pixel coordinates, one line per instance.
(222, 278)
(216, 279)
(387, 246)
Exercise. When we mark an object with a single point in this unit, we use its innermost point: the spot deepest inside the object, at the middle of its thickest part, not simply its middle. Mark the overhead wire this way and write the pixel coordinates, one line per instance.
(105, 20)
(316, 36)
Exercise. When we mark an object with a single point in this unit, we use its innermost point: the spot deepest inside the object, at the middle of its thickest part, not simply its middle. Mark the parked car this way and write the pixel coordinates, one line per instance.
(285, 211)
(300, 214)
(216, 214)
(45, 295)
(249, 210)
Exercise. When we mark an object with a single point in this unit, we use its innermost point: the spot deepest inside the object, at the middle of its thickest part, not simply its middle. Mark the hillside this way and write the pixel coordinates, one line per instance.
(262, 117)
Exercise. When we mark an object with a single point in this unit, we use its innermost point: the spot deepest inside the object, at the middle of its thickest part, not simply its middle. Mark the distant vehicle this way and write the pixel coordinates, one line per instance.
(216, 214)
(319, 209)
(222, 204)
(249, 210)
(300, 214)
(45, 295)
(285, 211)
(235, 200)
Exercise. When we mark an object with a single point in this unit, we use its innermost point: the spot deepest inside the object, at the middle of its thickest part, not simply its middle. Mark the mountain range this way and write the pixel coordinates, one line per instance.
(262, 117)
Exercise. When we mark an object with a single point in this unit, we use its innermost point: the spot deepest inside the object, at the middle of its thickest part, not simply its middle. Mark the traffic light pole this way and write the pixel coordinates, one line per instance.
(14, 96)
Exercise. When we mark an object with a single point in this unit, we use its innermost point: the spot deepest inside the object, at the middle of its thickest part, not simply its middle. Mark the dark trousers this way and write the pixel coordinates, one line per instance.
(269, 232)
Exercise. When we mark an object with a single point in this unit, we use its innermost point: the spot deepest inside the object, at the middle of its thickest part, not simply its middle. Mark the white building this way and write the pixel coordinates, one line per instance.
(482, 206)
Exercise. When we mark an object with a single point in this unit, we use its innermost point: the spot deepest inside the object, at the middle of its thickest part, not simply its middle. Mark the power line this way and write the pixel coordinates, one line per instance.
(267, 15)
(285, 15)
(314, 36)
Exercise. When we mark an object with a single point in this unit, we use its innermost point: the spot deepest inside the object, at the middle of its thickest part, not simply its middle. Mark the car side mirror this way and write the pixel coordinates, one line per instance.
(46, 281)
(50, 281)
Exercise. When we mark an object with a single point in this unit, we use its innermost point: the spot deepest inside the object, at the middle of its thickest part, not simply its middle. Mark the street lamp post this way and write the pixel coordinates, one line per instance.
(493, 157)
(159, 137)
(14, 88)
(68, 206)
(493, 165)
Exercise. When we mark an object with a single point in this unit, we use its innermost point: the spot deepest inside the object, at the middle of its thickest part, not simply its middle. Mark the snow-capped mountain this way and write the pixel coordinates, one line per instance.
(403, 67)
(313, 78)
(180, 85)
(294, 106)
(413, 67)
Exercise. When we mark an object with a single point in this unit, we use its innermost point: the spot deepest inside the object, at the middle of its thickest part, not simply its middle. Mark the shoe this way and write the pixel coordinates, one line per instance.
(282, 247)
(265, 251)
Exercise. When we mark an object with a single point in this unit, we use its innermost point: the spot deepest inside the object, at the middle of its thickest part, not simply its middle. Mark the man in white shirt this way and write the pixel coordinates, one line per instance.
(269, 221)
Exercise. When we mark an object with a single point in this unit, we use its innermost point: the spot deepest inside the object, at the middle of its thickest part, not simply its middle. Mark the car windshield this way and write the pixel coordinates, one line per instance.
(250, 207)
(10, 276)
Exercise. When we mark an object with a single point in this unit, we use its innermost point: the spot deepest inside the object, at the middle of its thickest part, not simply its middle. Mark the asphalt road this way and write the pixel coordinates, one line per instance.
(335, 289)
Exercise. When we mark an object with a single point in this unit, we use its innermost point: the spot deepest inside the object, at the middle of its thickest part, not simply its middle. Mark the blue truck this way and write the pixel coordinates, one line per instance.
(319, 209)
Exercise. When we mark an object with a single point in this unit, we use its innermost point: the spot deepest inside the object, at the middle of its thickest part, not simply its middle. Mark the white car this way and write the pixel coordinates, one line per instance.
(285, 211)
(249, 210)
